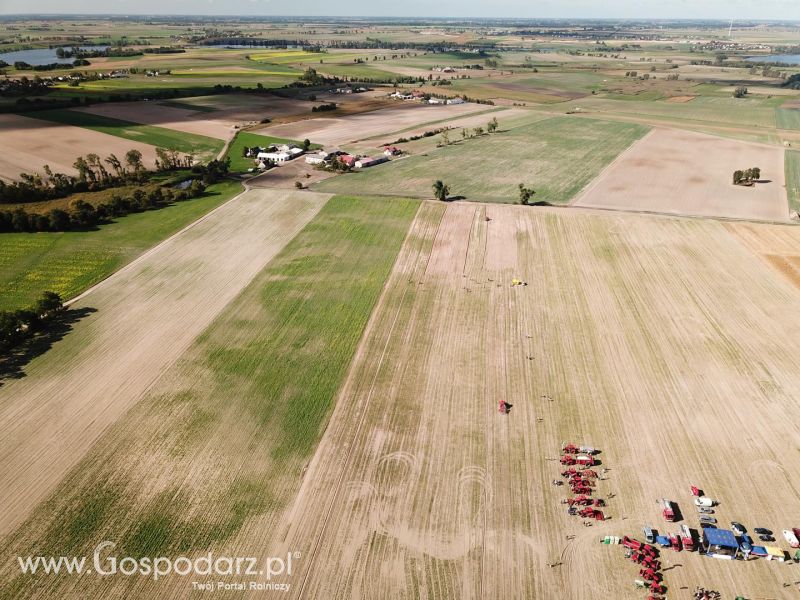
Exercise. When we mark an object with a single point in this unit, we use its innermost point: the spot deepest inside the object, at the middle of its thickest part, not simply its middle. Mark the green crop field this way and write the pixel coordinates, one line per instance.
(70, 262)
(157, 136)
(556, 156)
(793, 178)
(305, 312)
(753, 112)
(244, 139)
(787, 118)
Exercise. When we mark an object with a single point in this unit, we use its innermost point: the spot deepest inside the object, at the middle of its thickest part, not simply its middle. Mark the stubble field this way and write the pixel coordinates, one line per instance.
(634, 335)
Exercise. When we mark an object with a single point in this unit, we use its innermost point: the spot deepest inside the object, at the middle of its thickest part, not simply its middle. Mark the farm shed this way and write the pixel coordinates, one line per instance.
(720, 543)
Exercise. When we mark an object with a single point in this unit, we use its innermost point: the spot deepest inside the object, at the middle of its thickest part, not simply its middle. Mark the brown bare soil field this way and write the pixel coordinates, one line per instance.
(634, 335)
(179, 119)
(26, 145)
(236, 110)
(336, 131)
(680, 99)
(145, 316)
(682, 172)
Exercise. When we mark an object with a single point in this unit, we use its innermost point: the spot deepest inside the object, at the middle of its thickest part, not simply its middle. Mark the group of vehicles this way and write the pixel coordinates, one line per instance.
(705, 509)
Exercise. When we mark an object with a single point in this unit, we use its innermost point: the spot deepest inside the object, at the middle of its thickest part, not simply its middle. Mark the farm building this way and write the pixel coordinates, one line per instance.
(314, 159)
(368, 161)
(276, 157)
(348, 159)
(392, 151)
(437, 101)
(720, 543)
(456, 101)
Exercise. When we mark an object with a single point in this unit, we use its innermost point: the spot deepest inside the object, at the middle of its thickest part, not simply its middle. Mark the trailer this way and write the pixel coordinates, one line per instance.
(791, 538)
(675, 542)
(649, 535)
(585, 459)
(687, 539)
(667, 510)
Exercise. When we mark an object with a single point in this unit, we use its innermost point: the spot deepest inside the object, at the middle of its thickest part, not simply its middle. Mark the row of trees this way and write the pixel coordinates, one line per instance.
(94, 173)
(17, 326)
(491, 127)
(81, 215)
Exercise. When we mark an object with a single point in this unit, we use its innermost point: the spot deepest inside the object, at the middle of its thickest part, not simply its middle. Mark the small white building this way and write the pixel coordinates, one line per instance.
(276, 157)
(456, 101)
(437, 101)
(313, 159)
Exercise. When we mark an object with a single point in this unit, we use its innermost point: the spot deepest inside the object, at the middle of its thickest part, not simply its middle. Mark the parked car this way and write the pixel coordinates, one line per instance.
(705, 511)
(738, 528)
(703, 501)
(649, 535)
(766, 538)
(707, 519)
(762, 531)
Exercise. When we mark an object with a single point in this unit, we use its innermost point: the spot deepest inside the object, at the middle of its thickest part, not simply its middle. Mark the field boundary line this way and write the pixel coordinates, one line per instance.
(352, 447)
(150, 251)
(594, 182)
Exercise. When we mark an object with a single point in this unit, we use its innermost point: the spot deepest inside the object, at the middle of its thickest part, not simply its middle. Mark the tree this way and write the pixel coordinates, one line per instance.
(133, 158)
(464, 134)
(525, 194)
(491, 127)
(478, 131)
(738, 176)
(740, 92)
(306, 144)
(445, 138)
(440, 190)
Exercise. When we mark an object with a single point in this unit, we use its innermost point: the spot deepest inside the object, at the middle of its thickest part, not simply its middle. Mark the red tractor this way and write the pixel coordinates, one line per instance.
(675, 542)
(502, 407)
(567, 460)
(650, 575)
(631, 543)
(658, 589)
(587, 513)
(599, 516)
(569, 472)
(577, 489)
(599, 502)
(567, 448)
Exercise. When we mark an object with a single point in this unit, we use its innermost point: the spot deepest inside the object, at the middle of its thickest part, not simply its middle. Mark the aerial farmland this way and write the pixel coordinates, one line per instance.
(373, 309)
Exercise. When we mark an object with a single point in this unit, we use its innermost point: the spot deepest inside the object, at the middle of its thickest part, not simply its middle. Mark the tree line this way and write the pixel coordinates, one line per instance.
(94, 173)
(20, 325)
(82, 215)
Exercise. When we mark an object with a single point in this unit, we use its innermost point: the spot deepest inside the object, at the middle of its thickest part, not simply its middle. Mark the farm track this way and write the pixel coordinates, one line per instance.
(146, 316)
(635, 335)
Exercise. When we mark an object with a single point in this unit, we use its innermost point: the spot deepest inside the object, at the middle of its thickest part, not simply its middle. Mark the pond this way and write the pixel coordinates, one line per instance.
(41, 56)
(787, 59)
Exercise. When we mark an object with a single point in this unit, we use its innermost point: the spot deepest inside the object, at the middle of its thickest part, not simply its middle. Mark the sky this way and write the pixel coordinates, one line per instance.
(667, 9)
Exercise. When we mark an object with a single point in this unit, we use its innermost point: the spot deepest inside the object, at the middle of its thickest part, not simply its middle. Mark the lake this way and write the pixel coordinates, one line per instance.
(787, 59)
(41, 56)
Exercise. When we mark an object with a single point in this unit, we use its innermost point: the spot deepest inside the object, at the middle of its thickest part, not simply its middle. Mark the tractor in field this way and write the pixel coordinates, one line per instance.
(567, 460)
(502, 407)
(568, 448)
